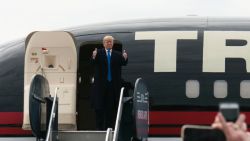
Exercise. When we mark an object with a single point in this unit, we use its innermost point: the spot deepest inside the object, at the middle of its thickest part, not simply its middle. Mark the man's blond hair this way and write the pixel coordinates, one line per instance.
(108, 37)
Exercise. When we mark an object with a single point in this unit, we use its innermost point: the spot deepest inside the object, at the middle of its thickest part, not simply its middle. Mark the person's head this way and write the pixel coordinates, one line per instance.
(108, 41)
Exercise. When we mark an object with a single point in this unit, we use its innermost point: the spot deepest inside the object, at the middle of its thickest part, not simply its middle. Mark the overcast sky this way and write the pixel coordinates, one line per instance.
(20, 17)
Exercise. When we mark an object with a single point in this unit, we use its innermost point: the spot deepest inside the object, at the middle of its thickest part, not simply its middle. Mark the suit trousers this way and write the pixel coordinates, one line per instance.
(106, 116)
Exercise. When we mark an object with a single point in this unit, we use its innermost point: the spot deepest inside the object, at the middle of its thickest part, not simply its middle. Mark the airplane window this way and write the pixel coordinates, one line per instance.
(245, 89)
(220, 89)
(192, 88)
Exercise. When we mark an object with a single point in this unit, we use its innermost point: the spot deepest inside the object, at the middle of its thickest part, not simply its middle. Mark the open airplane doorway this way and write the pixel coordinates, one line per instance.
(52, 54)
(86, 113)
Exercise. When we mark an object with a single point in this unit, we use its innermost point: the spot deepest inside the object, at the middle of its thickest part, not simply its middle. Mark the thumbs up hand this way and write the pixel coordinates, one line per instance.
(125, 55)
(94, 53)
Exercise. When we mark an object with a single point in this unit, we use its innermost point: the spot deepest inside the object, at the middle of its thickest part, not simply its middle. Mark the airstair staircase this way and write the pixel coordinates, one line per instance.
(53, 134)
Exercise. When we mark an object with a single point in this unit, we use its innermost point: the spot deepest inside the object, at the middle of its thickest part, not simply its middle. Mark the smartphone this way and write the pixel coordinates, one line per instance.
(201, 133)
(230, 111)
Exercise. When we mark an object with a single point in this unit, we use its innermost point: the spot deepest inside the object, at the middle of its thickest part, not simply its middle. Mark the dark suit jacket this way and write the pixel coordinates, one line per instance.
(100, 77)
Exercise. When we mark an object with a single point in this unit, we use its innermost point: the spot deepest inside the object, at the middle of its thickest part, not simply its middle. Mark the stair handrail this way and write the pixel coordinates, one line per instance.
(108, 135)
(119, 115)
(52, 116)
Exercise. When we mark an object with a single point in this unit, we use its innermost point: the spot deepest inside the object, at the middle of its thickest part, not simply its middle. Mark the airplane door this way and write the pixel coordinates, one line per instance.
(53, 55)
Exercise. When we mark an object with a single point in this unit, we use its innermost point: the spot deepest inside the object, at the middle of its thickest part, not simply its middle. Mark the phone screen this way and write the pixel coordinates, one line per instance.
(201, 133)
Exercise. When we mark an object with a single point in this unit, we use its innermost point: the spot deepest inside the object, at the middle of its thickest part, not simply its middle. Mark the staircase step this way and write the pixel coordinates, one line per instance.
(82, 135)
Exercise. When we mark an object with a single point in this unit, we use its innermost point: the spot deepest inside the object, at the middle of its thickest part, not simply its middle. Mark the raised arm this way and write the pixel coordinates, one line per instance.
(124, 58)
(94, 57)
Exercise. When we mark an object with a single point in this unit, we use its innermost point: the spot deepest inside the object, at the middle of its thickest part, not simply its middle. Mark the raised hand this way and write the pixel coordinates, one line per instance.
(233, 131)
(125, 55)
(94, 53)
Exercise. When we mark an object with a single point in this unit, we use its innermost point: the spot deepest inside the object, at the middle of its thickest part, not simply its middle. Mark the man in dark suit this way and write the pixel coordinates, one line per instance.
(107, 82)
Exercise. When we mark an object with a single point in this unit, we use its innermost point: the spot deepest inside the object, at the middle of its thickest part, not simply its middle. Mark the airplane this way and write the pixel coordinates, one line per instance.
(189, 64)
